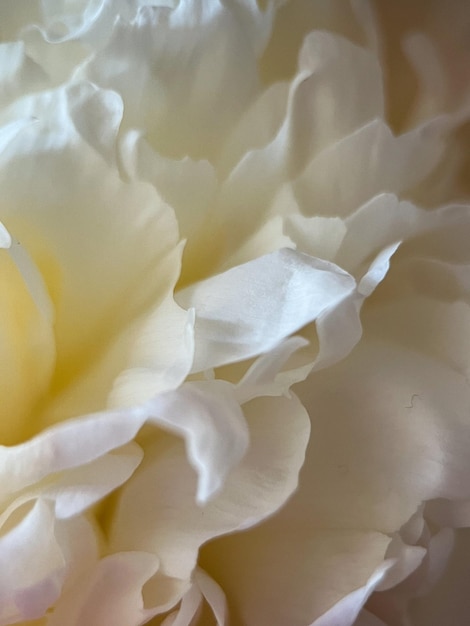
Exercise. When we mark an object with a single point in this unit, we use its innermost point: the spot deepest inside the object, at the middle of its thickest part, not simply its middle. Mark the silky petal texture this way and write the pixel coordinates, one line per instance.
(369, 161)
(189, 186)
(203, 587)
(421, 476)
(394, 605)
(26, 339)
(213, 595)
(189, 609)
(257, 568)
(74, 491)
(149, 47)
(66, 446)
(68, 269)
(19, 74)
(157, 513)
(323, 75)
(54, 151)
(161, 356)
(210, 419)
(112, 593)
(347, 609)
(251, 308)
(32, 567)
(340, 444)
(267, 377)
(273, 140)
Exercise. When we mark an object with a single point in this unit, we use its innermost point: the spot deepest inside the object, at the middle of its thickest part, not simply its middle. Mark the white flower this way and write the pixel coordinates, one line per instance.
(204, 204)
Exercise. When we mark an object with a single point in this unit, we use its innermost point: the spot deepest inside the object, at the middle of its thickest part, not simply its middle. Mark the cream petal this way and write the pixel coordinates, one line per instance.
(203, 588)
(213, 595)
(188, 611)
(369, 161)
(377, 224)
(257, 127)
(79, 541)
(406, 560)
(395, 605)
(290, 573)
(161, 355)
(148, 50)
(89, 21)
(19, 74)
(157, 511)
(331, 70)
(32, 567)
(76, 490)
(266, 378)
(111, 593)
(98, 213)
(339, 329)
(188, 186)
(318, 236)
(348, 608)
(269, 238)
(384, 220)
(26, 340)
(285, 289)
(210, 420)
(65, 446)
(378, 479)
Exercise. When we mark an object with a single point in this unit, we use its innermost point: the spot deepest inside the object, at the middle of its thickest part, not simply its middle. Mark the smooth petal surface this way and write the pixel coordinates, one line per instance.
(251, 308)
(257, 570)
(211, 421)
(157, 512)
(111, 594)
(32, 567)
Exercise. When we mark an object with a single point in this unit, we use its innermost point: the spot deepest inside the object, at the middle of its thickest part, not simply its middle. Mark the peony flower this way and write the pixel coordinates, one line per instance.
(234, 264)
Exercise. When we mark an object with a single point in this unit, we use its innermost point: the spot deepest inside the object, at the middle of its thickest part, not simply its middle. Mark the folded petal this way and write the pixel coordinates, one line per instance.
(251, 308)
(157, 511)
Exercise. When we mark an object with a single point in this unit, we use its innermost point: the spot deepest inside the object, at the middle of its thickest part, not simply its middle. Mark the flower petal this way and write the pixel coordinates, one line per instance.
(210, 419)
(157, 512)
(251, 308)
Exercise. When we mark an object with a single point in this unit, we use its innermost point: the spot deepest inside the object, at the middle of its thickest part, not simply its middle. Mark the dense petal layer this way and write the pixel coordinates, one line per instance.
(157, 512)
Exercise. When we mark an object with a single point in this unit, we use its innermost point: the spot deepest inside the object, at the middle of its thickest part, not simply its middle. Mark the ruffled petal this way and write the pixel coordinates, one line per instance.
(211, 421)
(32, 567)
(111, 593)
(157, 512)
(251, 308)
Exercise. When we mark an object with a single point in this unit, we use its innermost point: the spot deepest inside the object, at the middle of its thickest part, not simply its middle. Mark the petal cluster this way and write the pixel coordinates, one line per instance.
(234, 319)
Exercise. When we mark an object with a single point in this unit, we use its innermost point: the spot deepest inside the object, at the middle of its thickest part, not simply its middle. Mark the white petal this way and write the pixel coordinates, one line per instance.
(347, 609)
(265, 377)
(111, 593)
(288, 572)
(68, 445)
(142, 54)
(142, 257)
(369, 161)
(18, 73)
(251, 308)
(157, 511)
(210, 419)
(214, 595)
(31, 567)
